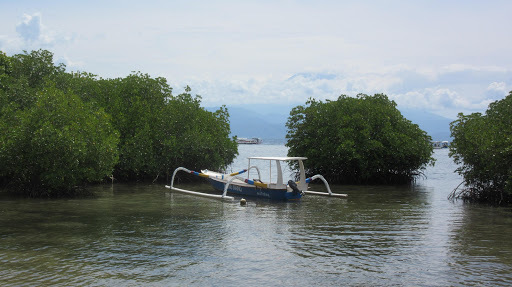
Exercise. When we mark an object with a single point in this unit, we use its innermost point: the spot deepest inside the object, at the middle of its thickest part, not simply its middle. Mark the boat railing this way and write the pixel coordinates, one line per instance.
(204, 194)
(328, 193)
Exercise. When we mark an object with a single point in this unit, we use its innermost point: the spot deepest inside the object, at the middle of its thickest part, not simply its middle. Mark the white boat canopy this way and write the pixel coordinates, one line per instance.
(279, 183)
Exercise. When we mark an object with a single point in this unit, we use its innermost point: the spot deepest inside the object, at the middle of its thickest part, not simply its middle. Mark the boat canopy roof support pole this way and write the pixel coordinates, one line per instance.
(249, 169)
(303, 185)
(279, 182)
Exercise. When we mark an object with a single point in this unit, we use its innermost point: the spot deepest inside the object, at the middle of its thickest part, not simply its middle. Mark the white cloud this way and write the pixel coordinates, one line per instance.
(497, 86)
(30, 28)
(10, 44)
(497, 90)
(70, 64)
(445, 93)
(32, 34)
(227, 54)
(461, 67)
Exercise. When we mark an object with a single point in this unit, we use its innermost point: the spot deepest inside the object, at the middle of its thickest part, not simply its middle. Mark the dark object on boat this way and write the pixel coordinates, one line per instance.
(293, 186)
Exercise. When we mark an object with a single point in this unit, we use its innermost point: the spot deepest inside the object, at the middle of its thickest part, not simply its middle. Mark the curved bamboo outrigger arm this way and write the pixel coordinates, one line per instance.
(216, 196)
(328, 193)
(257, 169)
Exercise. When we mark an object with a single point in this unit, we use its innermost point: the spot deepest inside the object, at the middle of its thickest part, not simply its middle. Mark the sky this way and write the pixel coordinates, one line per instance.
(444, 57)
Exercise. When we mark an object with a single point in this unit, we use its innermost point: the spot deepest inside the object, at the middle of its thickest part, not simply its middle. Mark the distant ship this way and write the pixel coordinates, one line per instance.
(248, 141)
(440, 144)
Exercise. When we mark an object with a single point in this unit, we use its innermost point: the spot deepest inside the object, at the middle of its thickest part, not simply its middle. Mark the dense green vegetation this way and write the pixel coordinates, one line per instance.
(60, 130)
(358, 140)
(482, 146)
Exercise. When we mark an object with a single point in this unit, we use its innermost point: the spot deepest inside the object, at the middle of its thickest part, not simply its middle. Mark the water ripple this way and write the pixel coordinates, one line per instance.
(144, 235)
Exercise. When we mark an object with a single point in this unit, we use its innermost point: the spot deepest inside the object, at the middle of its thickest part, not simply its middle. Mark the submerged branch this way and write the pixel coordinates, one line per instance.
(454, 194)
(156, 178)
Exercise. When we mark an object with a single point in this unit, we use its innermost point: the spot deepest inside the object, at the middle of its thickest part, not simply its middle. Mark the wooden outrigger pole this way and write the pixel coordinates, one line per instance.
(328, 193)
(216, 196)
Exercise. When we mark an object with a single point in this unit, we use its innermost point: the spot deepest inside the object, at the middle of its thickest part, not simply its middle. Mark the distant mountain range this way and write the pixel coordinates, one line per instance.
(436, 126)
(268, 121)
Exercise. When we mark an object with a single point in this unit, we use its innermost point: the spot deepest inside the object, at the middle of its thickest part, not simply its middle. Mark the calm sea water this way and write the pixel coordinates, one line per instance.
(133, 235)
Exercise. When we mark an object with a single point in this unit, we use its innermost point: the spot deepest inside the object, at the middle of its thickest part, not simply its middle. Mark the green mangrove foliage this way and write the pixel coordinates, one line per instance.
(60, 130)
(482, 147)
(56, 144)
(358, 140)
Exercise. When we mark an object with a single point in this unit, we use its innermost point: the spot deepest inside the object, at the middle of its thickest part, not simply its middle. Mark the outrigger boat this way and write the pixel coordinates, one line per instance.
(236, 184)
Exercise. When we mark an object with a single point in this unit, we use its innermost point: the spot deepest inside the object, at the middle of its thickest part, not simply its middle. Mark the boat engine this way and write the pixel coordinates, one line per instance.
(293, 186)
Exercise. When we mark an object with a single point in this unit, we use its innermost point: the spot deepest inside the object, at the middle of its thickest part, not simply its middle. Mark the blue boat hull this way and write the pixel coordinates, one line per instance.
(274, 194)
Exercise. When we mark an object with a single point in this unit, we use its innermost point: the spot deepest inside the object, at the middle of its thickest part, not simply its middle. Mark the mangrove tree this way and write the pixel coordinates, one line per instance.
(482, 147)
(60, 130)
(358, 140)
